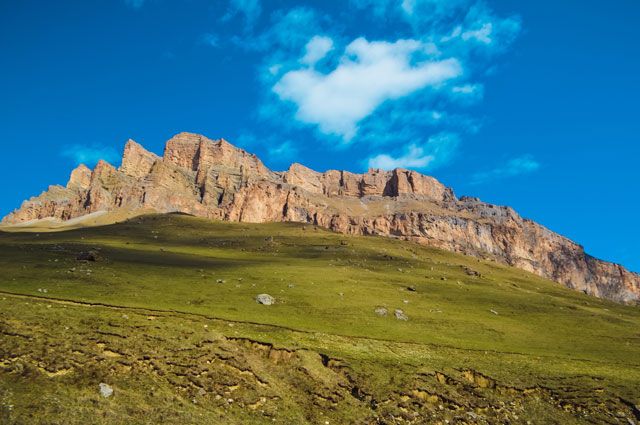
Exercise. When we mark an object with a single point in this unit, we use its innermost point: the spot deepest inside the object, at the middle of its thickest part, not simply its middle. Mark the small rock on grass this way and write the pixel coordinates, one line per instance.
(265, 299)
(381, 311)
(400, 315)
(105, 390)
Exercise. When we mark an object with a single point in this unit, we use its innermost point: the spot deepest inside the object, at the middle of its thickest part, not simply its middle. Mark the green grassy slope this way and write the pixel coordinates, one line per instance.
(504, 345)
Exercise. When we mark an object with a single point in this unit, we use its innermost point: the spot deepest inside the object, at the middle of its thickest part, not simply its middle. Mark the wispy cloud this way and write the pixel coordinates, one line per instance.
(467, 94)
(525, 164)
(436, 151)
(90, 154)
(287, 34)
(282, 152)
(250, 10)
(279, 153)
(210, 39)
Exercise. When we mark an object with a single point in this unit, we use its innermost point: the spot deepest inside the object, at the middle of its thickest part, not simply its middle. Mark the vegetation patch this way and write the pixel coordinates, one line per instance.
(166, 319)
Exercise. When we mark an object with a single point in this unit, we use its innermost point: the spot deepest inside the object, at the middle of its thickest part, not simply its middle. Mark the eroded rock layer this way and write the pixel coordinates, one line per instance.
(214, 179)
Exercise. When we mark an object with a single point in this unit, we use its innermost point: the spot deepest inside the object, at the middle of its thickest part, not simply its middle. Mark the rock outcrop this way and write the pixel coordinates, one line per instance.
(214, 179)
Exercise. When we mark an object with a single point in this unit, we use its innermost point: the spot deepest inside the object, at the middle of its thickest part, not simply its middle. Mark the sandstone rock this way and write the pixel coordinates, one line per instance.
(182, 150)
(306, 178)
(136, 160)
(376, 182)
(80, 178)
(214, 179)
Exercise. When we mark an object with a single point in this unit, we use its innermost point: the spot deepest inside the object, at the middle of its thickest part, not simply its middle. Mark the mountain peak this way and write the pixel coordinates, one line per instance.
(80, 178)
(215, 179)
(136, 160)
(182, 149)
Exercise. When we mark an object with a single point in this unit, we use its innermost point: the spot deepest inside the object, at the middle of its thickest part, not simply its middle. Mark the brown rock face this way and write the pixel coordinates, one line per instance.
(80, 178)
(136, 160)
(214, 179)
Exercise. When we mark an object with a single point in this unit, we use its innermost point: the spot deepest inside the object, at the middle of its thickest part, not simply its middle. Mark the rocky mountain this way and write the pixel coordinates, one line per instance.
(214, 179)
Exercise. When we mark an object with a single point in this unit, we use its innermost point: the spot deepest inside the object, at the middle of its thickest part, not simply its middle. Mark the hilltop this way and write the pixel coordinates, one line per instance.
(217, 180)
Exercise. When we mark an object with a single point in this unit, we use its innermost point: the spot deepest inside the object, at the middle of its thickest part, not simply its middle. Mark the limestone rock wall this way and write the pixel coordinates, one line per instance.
(214, 179)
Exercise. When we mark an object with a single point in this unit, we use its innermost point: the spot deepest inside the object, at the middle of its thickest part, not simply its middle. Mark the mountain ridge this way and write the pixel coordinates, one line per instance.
(214, 179)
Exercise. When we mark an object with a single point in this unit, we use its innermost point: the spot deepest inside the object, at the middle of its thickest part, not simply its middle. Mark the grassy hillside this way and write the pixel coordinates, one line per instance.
(167, 317)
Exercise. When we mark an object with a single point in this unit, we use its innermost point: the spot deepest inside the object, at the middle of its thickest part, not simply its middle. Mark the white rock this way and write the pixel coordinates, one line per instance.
(265, 299)
(400, 315)
(381, 311)
(105, 390)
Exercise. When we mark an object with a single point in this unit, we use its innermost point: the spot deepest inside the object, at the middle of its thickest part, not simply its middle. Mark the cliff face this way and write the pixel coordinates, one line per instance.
(214, 179)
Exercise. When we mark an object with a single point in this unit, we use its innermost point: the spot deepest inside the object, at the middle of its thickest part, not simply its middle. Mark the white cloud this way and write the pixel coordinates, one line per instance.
(438, 150)
(412, 68)
(514, 167)
(368, 74)
(466, 89)
(467, 94)
(415, 157)
(316, 49)
(483, 34)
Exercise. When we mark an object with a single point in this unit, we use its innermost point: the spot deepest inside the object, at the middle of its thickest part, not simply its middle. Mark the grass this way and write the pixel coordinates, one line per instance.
(504, 345)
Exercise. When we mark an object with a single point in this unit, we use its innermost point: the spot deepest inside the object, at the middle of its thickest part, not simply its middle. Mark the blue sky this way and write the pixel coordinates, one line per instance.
(528, 104)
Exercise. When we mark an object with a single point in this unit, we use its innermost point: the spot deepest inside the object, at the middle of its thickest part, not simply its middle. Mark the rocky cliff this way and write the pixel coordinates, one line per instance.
(214, 179)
